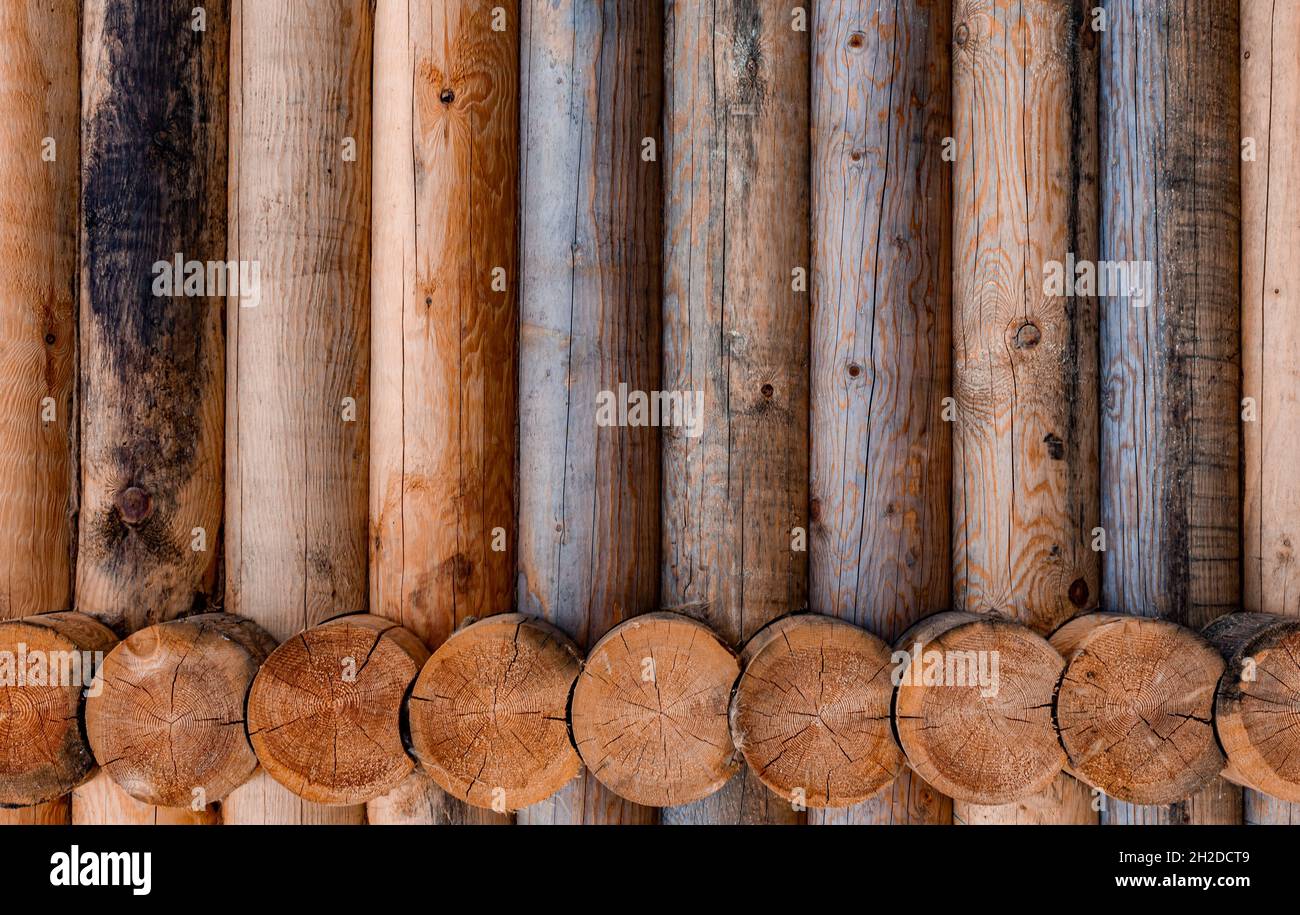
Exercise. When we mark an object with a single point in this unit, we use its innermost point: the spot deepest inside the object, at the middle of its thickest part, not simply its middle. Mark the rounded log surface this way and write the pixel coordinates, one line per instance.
(167, 722)
(46, 663)
(649, 710)
(488, 712)
(973, 707)
(1257, 705)
(1134, 706)
(811, 711)
(324, 712)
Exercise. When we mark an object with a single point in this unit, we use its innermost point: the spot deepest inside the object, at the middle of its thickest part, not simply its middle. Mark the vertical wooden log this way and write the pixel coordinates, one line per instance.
(735, 333)
(39, 118)
(1270, 357)
(1025, 370)
(445, 324)
(1171, 354)
(588, 494)
(153, 179)
(298, 374)
(153, 188)
(881, 333)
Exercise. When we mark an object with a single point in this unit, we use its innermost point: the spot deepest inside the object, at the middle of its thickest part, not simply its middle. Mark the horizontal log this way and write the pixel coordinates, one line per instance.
(488, 712)
(973, 707)
(324, 711)
(810, 713)
(45, 752)
(167, 722)
(1255, 708)
(1134, 706)
(649, 711)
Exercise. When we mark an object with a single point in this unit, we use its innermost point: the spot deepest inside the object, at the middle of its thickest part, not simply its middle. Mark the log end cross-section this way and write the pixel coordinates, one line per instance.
(324, 713)
(649, 710)
(1257, 709)
(488, 712)
(973, 707)
(1134, 705)
(811, 711)
(46, 664)
(167, 722)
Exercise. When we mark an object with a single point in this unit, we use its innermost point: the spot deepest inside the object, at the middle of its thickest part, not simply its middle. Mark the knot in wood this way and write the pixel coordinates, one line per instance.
(134, 505)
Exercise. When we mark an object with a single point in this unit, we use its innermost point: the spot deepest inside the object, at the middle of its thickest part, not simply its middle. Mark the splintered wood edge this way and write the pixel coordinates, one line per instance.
(649, 712)
(44, 753)
(941, 750)
(327, 738)
(811, 712)
(1260, 684)
(1135, 704)
(167, 718)
(488, 713)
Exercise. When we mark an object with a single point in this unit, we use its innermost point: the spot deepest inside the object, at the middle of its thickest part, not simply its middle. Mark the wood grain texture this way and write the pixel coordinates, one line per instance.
(44, 752)
(735, 329)
(1025, 367)
(102, 800)
(153, 185)
(296, 494)
(881, 461)
(444, 386)
(488, 715)
(39, 98)
(1254, 709)
(444, 329)
(589, 528)
(811, 712)
(1133, 708)
(167, 722)
(153, 176)
(325, 710)
(1171, 379)
(649, 711)
(1270, 356)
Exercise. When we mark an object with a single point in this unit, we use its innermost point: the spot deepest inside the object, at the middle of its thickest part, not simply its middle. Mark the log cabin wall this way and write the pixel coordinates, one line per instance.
(801, 211)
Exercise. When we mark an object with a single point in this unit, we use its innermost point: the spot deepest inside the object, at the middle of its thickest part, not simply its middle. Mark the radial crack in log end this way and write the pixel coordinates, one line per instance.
(324, 712)
(51, 660)
(488, 710)
(811, 712)
(1257, 706)
(166, 719)
(649, 710)
(1134, 704)
(972, 709)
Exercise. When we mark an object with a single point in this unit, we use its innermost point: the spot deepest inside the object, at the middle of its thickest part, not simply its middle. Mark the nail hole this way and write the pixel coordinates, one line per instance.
(447, 97)
(49, 339)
